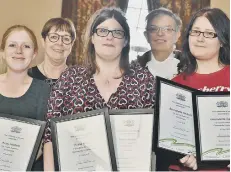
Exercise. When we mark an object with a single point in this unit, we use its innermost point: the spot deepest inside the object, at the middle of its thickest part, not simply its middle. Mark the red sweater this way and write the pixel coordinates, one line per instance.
(213, 82)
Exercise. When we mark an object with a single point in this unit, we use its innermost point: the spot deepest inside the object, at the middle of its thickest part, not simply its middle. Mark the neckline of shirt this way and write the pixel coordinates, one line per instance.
(153, 59)
(27, 92)
(213, 73)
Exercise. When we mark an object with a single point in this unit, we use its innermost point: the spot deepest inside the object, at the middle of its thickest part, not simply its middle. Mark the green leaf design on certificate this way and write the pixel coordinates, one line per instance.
(219, 151)
(174, 142)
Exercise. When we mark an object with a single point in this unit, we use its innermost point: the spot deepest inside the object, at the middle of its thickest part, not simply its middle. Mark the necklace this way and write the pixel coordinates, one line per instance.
(102, 80)
(46, 73)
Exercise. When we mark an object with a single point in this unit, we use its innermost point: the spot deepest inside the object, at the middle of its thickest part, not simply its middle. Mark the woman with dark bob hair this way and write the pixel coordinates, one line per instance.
(58, 37)
(205, 63)
(106, 80)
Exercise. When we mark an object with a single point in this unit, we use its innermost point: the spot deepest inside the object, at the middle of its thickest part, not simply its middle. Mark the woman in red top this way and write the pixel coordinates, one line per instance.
(205, 63)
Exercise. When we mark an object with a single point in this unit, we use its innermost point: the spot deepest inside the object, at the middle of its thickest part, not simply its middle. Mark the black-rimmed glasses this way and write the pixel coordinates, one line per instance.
(115, 33)
(205, 34)
(54, 37)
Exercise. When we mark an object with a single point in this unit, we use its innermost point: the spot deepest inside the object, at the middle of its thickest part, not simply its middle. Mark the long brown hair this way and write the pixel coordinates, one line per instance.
(221, 25)
(89, 50)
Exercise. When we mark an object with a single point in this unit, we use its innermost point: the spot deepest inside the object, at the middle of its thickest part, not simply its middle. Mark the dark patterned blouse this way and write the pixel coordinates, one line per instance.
(77, 92)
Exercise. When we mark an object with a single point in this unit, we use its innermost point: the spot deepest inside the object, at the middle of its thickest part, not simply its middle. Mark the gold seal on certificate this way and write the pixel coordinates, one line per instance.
(212, 127)
(132, 131)
(83, 142)
(20, 139)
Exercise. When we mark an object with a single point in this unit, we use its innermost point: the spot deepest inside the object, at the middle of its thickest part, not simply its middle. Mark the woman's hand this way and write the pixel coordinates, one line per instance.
(189, 161)
(48, 157)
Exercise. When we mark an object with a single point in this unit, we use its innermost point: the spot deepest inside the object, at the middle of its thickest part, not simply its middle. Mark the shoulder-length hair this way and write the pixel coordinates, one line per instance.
(89, 51)
(221, 25)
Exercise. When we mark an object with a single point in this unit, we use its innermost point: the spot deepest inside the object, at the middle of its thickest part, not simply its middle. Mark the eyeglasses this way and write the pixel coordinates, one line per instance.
(156, 29)
(205, 34)
(115, 33)
(54, 37)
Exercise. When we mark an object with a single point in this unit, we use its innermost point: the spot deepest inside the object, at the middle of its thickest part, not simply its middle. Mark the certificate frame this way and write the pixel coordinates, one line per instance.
(198, 133)
(136, 112)
(88, 114)
(159, 82)
(41, 124)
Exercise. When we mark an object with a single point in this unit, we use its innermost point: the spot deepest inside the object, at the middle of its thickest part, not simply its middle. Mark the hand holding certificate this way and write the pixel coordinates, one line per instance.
(20, 139)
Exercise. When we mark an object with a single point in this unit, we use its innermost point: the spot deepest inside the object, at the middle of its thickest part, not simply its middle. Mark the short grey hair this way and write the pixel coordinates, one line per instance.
(163, 12)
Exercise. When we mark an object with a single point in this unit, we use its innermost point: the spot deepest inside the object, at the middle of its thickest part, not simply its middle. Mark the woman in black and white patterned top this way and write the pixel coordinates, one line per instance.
(107, 80)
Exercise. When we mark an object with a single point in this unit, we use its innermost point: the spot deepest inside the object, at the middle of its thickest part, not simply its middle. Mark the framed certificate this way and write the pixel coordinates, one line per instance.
(174, 123)
(132, 131)
(83, 142)
(212, 128)
(20, 139)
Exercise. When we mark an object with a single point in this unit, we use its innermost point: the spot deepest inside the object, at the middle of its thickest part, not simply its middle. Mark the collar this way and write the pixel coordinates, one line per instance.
(153, 59)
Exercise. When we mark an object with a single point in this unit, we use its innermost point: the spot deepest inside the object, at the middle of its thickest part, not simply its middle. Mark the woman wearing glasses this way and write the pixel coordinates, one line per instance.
(107, 80)
(58, 36)
(205, 62)
(162, 32)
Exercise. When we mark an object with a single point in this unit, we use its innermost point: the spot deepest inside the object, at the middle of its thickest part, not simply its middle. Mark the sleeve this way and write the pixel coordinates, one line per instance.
(147, 84)
(44, 93)
(56, 102)
(164, 159)
(62, 93)
(149, 94)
